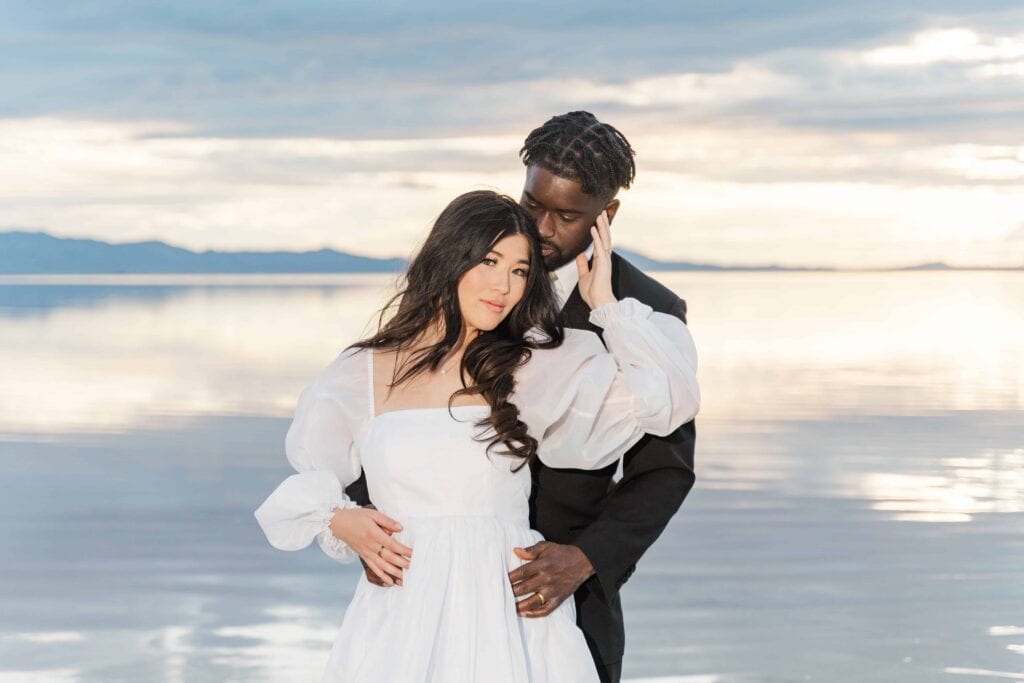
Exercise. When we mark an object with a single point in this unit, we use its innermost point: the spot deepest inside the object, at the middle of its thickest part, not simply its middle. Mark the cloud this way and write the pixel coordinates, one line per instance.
(998, 70)
(742, 83)
(281, 127)
(936, 46)
(745, 194)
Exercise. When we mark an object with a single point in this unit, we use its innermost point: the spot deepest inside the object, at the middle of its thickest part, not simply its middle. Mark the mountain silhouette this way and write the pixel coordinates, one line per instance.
(39, 252)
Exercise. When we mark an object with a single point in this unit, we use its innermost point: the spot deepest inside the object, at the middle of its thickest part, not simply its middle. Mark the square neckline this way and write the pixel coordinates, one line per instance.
(371, 396)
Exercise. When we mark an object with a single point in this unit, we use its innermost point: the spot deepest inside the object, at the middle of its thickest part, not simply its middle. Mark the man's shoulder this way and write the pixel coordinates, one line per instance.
(633, 282)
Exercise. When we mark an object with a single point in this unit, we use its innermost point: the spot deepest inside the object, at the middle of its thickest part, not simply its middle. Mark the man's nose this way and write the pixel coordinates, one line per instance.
(545, 225)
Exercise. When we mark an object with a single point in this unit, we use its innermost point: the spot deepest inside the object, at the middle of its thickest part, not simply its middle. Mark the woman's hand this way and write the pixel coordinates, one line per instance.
(368, 532)
(596, 278)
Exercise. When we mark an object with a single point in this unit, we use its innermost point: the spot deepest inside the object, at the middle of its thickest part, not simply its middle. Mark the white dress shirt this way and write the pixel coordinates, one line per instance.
(567, 277)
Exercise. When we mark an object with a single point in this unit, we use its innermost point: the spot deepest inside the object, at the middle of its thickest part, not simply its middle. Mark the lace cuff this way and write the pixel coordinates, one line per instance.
(334, 547)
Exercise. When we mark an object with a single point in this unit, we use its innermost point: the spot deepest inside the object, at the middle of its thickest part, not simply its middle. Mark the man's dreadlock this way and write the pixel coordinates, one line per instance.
(578, 147)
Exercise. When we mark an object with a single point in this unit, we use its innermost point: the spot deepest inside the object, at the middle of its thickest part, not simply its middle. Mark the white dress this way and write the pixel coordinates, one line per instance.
(454, 620)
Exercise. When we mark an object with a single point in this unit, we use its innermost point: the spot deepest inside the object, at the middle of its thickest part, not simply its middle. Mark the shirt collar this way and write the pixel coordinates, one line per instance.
(567, 277)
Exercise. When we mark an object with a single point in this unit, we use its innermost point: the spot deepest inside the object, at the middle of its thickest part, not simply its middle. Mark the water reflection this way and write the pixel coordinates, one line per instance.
(990, 482)
(847, 419)
(124, 357)
(109, 357)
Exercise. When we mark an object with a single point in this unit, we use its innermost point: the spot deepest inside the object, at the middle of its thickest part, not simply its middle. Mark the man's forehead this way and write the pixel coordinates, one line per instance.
(546, 187)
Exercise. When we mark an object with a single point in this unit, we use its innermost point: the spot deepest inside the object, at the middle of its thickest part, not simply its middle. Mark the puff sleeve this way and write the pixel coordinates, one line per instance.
(320, 446)
(587, 405)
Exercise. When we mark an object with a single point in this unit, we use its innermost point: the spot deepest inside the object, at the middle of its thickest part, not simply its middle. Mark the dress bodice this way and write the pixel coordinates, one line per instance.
(423, 462)
(585, 406)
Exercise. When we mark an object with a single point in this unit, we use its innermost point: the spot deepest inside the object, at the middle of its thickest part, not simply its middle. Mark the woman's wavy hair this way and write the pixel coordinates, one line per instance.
(460, 239)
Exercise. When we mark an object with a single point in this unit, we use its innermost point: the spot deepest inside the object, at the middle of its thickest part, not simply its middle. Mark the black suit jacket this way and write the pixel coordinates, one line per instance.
(614, 524)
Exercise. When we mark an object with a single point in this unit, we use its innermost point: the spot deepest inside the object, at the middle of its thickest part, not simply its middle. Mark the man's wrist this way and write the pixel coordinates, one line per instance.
(585, 568)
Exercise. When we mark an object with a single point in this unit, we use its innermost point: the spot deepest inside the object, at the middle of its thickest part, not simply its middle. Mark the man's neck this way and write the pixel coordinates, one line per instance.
(568, 276)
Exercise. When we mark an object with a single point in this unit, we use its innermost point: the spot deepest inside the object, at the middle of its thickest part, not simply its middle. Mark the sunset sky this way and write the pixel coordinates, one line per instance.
(792, 132)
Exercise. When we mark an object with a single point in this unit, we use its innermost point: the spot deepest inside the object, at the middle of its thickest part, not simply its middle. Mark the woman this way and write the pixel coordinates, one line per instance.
(444, 408)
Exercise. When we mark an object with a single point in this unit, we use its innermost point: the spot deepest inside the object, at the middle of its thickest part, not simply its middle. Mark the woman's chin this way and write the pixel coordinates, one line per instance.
(487, 324)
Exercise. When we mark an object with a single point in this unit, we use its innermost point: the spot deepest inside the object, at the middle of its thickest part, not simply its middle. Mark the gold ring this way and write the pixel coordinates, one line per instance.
(380, 553)
(543, 600)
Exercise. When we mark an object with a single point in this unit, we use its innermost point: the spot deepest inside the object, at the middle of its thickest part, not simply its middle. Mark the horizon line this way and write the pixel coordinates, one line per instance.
(668, 265)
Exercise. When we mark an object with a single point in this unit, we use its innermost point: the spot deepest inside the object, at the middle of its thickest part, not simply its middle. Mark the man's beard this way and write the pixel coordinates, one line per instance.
(556, 259)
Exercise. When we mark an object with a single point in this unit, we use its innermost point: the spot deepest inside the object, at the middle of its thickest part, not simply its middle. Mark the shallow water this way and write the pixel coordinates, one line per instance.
(858, 515)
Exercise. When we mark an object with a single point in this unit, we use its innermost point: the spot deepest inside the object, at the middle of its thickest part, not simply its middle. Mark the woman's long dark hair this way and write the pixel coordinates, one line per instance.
(461, 238)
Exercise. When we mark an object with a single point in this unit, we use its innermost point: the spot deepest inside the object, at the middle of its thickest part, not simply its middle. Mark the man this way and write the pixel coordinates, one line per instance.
(596, 528)
(597, 525)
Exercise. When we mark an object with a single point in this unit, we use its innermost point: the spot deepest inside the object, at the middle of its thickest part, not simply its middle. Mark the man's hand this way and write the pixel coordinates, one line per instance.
(553, 571)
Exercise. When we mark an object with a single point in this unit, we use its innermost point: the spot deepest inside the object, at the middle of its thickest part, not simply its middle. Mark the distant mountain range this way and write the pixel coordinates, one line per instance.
(24, 253)
(38, 252)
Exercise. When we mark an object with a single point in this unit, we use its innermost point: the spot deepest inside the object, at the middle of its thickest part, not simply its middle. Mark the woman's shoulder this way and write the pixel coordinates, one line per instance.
(345, 377)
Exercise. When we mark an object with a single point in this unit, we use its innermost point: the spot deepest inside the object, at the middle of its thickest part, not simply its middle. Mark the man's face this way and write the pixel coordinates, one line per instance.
(564, 214)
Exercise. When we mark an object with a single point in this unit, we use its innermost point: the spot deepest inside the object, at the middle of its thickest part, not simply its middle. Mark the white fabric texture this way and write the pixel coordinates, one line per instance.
(463, 510)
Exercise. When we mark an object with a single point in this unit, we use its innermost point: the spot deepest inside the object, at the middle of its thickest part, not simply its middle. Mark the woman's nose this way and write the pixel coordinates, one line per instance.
(502, 282)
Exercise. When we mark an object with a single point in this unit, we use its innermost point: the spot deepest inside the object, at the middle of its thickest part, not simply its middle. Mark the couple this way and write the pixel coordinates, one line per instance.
(488, 390)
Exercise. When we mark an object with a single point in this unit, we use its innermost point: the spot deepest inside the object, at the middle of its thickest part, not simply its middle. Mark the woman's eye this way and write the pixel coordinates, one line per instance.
(567, 219)
(488, 261)
(521, 272)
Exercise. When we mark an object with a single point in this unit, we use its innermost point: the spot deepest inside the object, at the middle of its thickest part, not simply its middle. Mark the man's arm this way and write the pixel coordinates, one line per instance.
(358, 491)
(639, 508)
(656, 479)
(657, 476)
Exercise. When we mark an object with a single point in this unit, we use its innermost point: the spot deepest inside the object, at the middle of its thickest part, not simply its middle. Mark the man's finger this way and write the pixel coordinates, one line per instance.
(533, 606)
(528, 604)
(547, 609)
(530, 585)
(523, 573)
(531, 553)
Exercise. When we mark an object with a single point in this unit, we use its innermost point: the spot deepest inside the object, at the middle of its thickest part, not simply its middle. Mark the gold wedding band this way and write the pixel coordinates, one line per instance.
(543, 600)
(380, 553)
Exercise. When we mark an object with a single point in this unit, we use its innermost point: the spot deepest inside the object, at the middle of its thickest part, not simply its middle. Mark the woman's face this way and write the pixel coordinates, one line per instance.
(489, 290)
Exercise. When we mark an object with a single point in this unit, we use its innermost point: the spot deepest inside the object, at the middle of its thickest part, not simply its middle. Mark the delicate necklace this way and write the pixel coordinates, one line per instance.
(446, 368)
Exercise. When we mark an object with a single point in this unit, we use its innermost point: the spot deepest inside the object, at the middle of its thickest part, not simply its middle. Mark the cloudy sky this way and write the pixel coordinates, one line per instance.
(791, 131)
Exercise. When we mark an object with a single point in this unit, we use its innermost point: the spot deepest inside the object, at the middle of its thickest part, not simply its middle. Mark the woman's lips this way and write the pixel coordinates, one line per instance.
(494, 306)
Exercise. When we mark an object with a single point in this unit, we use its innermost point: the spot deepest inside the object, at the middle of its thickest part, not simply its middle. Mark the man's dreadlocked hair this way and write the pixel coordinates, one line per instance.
(578, 147)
